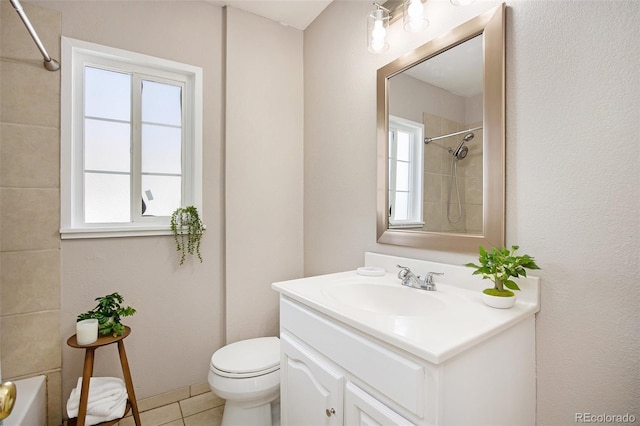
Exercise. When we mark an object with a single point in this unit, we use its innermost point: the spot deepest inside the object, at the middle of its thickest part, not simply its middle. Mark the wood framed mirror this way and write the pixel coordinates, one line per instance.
(437, 187)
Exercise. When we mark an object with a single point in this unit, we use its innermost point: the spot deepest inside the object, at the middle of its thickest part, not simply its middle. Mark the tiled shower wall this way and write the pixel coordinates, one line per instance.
(437, 178)
(29, 202)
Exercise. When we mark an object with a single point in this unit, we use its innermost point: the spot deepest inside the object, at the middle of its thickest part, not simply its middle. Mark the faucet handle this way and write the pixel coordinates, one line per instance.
(429, 284)
(429, 278)
(404, 270)
(428, 281)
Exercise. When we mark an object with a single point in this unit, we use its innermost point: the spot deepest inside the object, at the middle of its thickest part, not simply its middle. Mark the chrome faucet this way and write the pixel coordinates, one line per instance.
(412, 280)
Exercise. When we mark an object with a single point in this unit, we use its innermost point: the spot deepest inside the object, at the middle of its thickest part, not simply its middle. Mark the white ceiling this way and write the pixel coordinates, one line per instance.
(294, 13)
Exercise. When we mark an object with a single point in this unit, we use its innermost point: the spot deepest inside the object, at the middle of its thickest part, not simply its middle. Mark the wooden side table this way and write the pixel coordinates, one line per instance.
(89, 355)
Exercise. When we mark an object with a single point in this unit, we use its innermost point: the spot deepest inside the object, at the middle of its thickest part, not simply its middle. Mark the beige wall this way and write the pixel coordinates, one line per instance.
(29, 207)
(180, 318)
(263, 166)
(572, 177)
(572, 197)
(409, 98)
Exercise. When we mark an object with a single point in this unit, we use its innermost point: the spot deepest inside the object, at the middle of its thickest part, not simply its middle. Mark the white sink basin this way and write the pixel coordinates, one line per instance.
(396, 300)
(433, 325)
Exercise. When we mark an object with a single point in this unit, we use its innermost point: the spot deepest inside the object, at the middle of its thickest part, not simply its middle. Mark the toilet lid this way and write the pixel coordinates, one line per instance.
(248, 356)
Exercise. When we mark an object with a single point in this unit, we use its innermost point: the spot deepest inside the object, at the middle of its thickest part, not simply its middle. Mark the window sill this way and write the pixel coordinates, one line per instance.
(114, 232)
(406, 225)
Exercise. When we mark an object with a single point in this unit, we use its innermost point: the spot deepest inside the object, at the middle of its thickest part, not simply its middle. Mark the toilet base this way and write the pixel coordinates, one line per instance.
(239, 414)
(275, 412)
(246, 374)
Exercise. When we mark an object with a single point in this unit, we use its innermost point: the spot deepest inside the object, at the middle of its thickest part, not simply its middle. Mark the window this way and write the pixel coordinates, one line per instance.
(131, 141)
(405, 173)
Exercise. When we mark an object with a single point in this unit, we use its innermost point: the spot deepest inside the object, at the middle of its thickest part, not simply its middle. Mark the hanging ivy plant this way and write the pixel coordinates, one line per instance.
(187, 231)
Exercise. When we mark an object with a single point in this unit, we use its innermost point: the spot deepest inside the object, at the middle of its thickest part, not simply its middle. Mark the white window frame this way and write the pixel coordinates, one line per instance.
(76, 54)
(416, 186)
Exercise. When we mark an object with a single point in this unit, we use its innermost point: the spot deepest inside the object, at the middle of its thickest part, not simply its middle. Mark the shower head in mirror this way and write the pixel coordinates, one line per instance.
(461, 151)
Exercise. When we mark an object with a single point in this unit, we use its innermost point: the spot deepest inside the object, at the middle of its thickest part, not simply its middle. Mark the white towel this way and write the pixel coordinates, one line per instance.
(107, 400)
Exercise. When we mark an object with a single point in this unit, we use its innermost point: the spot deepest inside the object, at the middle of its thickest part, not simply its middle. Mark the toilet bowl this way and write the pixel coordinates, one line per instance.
(247, 375)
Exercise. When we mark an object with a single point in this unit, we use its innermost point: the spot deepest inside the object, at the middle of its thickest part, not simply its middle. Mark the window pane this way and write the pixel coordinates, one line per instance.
(161, 194)
(402, 176)
(161, 103)
(106, 145)
(106, 198)
(404, 146)
(107, 94)
(401, 206)
(161, 149)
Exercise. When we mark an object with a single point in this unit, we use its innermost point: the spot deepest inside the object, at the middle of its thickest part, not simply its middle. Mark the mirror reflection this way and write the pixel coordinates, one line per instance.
(441, 140)
(436, 143)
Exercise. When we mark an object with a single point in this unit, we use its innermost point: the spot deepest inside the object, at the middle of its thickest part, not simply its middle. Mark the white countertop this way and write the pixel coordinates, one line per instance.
(434, 326)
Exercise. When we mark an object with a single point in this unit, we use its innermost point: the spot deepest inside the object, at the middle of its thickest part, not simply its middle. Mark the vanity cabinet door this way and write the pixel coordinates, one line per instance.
(362, 409)
(311, 388)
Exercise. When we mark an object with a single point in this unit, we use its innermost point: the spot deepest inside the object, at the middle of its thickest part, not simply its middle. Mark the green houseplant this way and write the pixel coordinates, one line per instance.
(108, 312)
(187, 231)
(500, 265)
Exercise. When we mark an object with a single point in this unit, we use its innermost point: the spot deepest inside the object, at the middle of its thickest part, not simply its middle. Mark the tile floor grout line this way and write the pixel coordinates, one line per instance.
(182, 412)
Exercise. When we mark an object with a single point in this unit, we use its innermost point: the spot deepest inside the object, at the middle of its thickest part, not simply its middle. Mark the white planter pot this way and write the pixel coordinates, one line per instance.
(499, 301)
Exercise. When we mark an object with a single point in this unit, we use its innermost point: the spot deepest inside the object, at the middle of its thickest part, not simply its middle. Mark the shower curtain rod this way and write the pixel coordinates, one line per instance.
(427, 140)
(49, 63)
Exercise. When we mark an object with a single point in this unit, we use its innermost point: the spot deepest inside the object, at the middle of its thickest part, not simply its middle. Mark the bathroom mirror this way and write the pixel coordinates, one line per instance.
(441, 140)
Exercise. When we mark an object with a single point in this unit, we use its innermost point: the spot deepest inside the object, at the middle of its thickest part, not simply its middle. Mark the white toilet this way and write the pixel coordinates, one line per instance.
(247, 375)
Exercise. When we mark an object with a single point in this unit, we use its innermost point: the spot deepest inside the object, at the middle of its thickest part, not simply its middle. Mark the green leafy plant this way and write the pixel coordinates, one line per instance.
(187, 231)
(108, 312)
(500, 265)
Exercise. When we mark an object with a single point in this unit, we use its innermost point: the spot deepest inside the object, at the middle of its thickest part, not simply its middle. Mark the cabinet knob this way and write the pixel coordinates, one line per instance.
(330, 412)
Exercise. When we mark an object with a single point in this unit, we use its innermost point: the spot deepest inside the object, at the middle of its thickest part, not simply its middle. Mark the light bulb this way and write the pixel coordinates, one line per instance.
(378, 33)
(377, 36)
(415, 9)
(414, 19)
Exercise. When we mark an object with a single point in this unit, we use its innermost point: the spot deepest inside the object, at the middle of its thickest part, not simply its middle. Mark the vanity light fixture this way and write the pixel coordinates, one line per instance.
(413, 16)
(382, 16)
(377, 23)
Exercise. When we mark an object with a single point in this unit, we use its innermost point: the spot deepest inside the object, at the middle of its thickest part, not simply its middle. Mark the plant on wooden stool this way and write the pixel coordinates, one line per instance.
(187, 231)
(108, 312)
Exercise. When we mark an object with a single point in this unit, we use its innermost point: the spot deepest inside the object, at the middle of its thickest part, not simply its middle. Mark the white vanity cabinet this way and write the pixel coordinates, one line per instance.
(326, 368)
(311, 387)
(317, 393)
(359, 361)
(335, 375)
(363, 409)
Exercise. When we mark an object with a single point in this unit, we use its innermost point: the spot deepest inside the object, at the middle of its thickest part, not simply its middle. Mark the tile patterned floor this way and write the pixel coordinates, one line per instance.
(200, 410)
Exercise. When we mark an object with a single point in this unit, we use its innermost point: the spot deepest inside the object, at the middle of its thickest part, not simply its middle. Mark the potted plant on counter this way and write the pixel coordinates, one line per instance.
(500, 265)
(187, 231)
